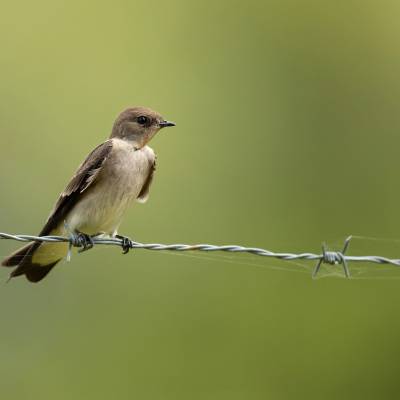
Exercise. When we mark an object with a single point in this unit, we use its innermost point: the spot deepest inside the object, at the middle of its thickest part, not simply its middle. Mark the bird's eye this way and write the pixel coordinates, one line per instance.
(142, 120)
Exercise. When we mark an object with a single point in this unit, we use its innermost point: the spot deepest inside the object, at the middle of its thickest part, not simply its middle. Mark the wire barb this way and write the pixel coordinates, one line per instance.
(327, 256)
(333, 258)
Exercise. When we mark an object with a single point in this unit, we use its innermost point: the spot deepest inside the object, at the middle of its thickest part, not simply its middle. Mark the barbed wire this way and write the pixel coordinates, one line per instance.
(326, 257)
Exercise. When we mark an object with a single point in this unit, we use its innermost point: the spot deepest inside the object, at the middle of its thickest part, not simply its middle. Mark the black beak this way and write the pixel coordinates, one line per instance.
(164, 124)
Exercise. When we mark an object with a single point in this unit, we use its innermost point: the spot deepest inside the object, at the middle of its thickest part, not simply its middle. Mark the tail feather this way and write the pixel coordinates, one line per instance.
(37, 272)
(23, 259)
(16, 258)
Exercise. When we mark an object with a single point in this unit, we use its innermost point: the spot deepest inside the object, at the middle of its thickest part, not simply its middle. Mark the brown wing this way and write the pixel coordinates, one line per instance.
(83, 178)
(144, 193)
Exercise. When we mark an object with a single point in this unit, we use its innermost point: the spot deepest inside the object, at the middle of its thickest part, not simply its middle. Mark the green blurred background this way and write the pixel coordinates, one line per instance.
(287, 134)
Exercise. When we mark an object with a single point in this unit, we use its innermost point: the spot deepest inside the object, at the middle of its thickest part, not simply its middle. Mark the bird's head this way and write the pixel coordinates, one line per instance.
(138, 125)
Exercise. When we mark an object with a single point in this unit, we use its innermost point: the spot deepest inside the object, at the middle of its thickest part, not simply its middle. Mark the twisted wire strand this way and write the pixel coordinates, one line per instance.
(326, 257)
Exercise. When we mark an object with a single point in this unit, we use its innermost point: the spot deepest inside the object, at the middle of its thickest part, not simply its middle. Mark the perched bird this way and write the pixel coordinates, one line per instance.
(113, 174)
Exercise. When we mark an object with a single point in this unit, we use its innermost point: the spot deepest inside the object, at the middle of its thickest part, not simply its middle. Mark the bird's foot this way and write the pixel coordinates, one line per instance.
(82, 240)
(126, 243)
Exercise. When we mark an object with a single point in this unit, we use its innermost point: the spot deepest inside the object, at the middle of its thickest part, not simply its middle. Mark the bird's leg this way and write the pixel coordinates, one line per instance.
(126, 243)
(82, 240)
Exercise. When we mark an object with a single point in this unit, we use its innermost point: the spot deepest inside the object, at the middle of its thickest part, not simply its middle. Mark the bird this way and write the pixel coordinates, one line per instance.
(113, 175)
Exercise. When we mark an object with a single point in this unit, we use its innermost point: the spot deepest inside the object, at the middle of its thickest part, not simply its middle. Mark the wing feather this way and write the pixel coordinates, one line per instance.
(144, 192)
(84, 177)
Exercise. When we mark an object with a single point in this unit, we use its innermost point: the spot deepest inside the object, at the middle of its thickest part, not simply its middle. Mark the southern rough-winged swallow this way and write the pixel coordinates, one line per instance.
(113, 174)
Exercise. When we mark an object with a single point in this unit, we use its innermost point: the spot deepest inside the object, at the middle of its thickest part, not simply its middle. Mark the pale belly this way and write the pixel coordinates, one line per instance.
(99, 212)
(103, 206)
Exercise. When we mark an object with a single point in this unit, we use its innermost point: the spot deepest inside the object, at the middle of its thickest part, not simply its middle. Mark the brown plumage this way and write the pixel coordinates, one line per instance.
(114, 173)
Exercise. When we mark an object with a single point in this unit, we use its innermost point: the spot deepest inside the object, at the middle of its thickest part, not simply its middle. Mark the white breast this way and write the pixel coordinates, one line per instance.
(120, 181)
